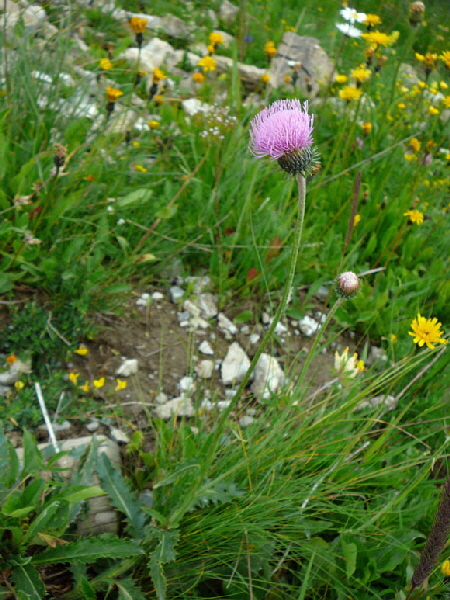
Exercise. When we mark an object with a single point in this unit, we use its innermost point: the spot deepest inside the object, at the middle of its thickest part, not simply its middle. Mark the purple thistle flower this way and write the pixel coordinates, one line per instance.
(283, 131)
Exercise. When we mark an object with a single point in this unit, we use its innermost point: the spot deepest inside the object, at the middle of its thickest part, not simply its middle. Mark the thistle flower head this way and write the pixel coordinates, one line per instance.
(283, 131)
(138, 25)
(347, 285)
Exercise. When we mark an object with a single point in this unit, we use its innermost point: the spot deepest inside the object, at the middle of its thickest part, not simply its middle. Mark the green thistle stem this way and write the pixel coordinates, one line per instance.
(217, 433)
(317, 339)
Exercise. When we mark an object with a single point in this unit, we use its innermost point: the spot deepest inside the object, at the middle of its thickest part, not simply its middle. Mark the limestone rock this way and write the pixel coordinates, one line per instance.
(315, 64)
(180, 407)
(205, 369)
(235, 364)
(308, 326)
(228, 11)
(268, 376)
(128, 367)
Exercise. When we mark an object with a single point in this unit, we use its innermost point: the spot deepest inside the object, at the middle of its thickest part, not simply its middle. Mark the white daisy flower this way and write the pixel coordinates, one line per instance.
(352, 16)
(349, 30)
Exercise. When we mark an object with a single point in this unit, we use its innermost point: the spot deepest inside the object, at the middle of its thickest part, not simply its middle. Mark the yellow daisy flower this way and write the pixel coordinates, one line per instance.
(415, 216)
(378, 38)
(372, 20)
(216, 38)
(426, 331)
(113, 94)
(361, 74)
(208, 63)
(121, 385)
(105, 64)
(349, 92)
(341, 79)
(138, 25)
(198, 77)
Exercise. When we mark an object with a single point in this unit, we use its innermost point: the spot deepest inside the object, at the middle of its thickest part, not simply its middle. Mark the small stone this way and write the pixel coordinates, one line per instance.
(183, 317)
(268, 376)
(205, 348)
(208, 305)
(186, 384)
(230, 393)
(64, 426)
(265, 318)
(191, 308)
(388, 401)
(254, 338)
(308, 326)
(161, 398)
(205, 369)
(119, 436)
(128, 367)
(245, 329)
(157, 296)
(228, 11)
(176, 294)
(245, 421)
(92, 426)
(322, 292)
(377, 353)
(181, 407)
(226, 325)
(235, 364)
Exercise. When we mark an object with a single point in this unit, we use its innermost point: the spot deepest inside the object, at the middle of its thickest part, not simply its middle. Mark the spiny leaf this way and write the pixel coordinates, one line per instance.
(89, 550)
(121, 496)
(128, 590)
(27, 581)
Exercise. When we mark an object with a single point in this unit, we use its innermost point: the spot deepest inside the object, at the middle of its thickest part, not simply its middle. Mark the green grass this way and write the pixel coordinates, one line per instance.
(315, 499)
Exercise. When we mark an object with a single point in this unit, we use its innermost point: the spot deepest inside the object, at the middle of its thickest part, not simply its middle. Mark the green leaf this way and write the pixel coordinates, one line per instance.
(165, 551)
(167, 212)
(141, 195)
(121, 496)
(244, 317)
(9, 462)
(177, 474)
(5, 284)
(159, 580)
(89, 550)
(117, 288)
(128, 590)
(78, 493)
(350, 553)
(41, 521)
(27, 581)
(32, 458)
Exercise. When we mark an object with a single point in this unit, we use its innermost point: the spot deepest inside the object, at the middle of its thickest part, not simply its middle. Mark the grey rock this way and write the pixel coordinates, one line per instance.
(228, 11)
(176, 294)
(128, 367)
(308, 326)
(268, 376)
(205, 369)
(235, 364)
(92, 426)
(180, 407)
(254, 338)
(226, 325)
(119, 436)
(186, 385)
(121, 121)
(161, 398)
(246, 420)
(208, 305)
(322, 292)
(205, 348)
(315, 64)
(387, 400)
(14, 372)
(157, 296)
(64, 426)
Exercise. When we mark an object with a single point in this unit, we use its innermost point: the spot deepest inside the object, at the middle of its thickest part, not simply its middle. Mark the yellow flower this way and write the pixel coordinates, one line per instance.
(99, 383)
(153, 124)
(348, 365)
(422, 84)
(136, 144)
(19, 385)
(361, 74)
(211, 49)
(410, 156)
(85, 387)
(433, 111)
(415, 216)
(287, 79)
(443, 85)
(401, 105)
(445, 57)
(73, 377)
(121, 385)
(208, 63)
(105, 64)
(341, 79)
(378, 38)
(269, 49)
(349, 92)
(367, 128)
(198, 77)
(216, 38)
(426, 331)
(446, 101)
(159, 99)
(393, 338)
(158, 75)
(140, 168)
(81, 350)
(356, 220)
(372, 20)
(265, 78)
(11, 359)
(113, 94)
(445, 568)
(429, 60)
(138, 25)
(414, 144)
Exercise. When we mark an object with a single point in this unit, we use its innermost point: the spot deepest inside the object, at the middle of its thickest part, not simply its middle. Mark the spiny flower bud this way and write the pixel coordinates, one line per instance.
(416, 13)
(347, 285)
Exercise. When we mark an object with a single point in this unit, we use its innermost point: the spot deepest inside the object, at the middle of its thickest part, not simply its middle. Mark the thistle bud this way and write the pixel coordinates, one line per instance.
(416, 13)
(347, 285)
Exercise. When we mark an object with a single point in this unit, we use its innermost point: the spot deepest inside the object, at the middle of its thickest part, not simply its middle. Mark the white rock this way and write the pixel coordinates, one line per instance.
(205, 348)
(245, 329)
(268, 376)
(193, 106)
(191, 308)
(207, 304)
(388, 401)
(245, 421)
(308, 326)
(377, 353)
(185, 385)
(92, 426)
(235, 364)
(228, 11)
(119, 436)
(157, 296)
(176, 293)
(226, 325)
(205, 369)
(14, 372)
(322, 292)
(254, 338)
(280, 329)
(265, 318)
(64, 426)
(128, 367)
(181, 407)
(161, 398)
